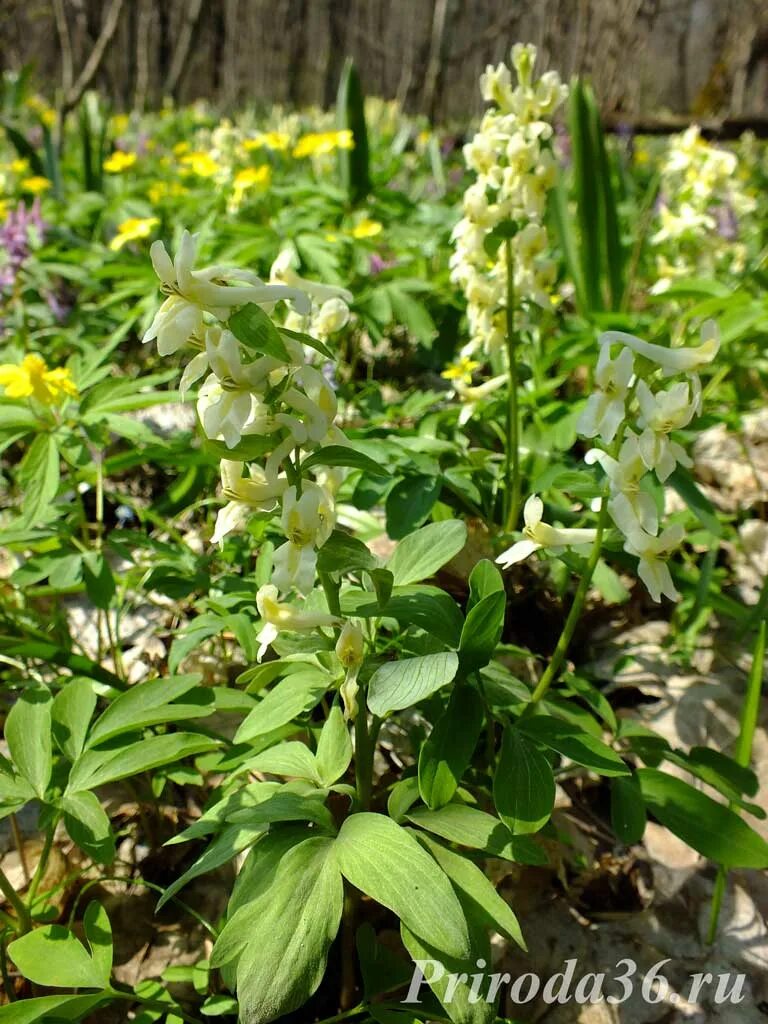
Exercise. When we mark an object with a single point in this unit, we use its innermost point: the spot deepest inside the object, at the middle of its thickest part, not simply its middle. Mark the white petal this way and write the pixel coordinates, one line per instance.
(517, 553)
(533, 510)
(161, 261)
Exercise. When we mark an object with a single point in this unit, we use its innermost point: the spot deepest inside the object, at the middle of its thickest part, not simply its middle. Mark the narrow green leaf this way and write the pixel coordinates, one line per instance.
(447, 752)
(709, 827)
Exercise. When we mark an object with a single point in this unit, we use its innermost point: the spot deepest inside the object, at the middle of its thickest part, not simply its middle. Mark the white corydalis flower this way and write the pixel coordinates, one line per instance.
(310, 519)
(191, 292)
(294, 568)
(245, 495)
(653, 553)
(630, 507)
(605, 409)
(671, 360)
(660, 414)
(278, 615)
(537, 535)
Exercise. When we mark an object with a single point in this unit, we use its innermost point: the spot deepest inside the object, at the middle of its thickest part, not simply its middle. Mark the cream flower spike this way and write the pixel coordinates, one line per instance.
(671, 360)
(537, 535)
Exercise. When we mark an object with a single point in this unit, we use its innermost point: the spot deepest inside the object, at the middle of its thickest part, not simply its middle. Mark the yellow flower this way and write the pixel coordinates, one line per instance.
(32, 379)
(321, 143)
(36, 184)
(462, 370)
(200, 163)
(160, 190)
(367, 229)
(119, 123)
(247, 179)
(132, 230)
(119, 161)
(19, 166)
(276, 141)
(47, 114)
(642, 155)
(181, 148)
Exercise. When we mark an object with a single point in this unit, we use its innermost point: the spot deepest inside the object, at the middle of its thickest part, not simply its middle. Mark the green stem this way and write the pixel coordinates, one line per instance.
(742, 755)
(717, 903)
(23, 923)
(354, 1012)
(576, 608)
(512, 462)
(42, 864)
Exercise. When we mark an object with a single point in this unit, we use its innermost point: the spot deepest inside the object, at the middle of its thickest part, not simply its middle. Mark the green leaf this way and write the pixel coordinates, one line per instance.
(232, 840)
(742, 779)
(292, 696)
(71, 713)
(447, 752)
(44, 1008)
(571, 741)
(697, 502)
(88, 825)
(288, 931)
(484, 580)
(478, 830)
(709, 827)
(419, 606)
(254, 328)
(350, 116)
(97, 767)
(524, 785)
(401, 684)
(39, 477)
(409, 503)
(380, 858)
(98, 935)
(627, 810)
(382, 970)
(344, 553)
(586, 174)
(98, 579)
(448, 977)
(28, 735)
(341, 455)
(482, 632)
(150, 703)
(334, 748)
(52, 956)
(383, 582)
(494, 912)
(293, 758)
(422, 553)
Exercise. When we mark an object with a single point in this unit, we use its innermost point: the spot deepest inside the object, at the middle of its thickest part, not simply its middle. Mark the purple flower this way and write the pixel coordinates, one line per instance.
(15, 238)
(562, 144)
(726, 222)
(379, 264)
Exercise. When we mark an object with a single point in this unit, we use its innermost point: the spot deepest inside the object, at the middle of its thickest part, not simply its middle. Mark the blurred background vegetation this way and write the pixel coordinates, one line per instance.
(647, 58)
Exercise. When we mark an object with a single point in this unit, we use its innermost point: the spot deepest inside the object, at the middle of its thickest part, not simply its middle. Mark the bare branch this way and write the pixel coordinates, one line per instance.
(92, 65)
(181, 53)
